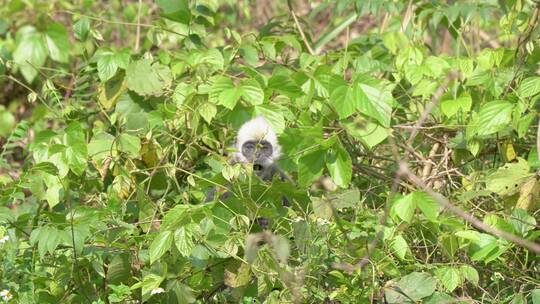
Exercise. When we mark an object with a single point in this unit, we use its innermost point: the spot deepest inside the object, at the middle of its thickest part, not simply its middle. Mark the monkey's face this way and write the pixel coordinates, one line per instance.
(258, 152)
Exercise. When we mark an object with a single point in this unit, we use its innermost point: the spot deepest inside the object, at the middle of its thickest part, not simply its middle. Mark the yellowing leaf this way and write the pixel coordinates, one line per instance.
(508, 179)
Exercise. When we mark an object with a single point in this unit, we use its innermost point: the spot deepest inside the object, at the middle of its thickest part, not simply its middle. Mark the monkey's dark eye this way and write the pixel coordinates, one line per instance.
(257, 167)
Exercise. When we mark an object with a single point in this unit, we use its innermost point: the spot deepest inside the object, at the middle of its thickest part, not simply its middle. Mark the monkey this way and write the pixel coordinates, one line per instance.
(256, 143)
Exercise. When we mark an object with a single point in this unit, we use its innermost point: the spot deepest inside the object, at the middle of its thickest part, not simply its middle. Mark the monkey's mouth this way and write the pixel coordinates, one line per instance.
(257, 167)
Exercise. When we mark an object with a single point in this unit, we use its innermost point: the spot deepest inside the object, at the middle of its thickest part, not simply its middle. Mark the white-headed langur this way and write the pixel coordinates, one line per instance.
(256, 143)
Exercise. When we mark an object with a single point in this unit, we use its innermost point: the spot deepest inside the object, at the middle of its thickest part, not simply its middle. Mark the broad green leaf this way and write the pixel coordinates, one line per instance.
(529, 87)
(241, 278)
(147, 78)
(54, 186)
(208, 111)
(285, 85)
(470, 274)
(76, 152)
(427, 204)
(376, 103)
(339, 164)
(399, 247)
(450, 277)
(322, 208)
(7, 122)
(129, 144)
(81, 28)
(229, 97)
(310, 166)
(451, 107)
(30, 52)
(161, 244)
(183, 239)
(535, 295)
(522, 222)
(273, 115)
(219, 84)
(518, 299)
(108, 62)
(176, 10)
(440, 298)
(368, 133)
(493, 117)
(106, 66)
(404, 207)
(252, 92)
(345, 100)
(57, 41)
(101, 146)
(508, 179)
(415, 285)
(349, 198)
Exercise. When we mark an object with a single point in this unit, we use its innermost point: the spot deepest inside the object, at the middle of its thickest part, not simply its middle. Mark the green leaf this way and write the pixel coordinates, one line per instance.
(147, 78)
(183, 239)
(208, 111)
(450, 277)
(30, 52)
(399, 247)
(427, 204)
(522, 222)
(451, 107)
(339, 164)
(7, 122)
(252, 92)
(285, 85)
(368, 133)
(376, 103)
(310, 166)
(76, 152)
(529, 87)
(101, 146)
(176, 10)
(229, 97)
(273, 115)
(470, 274)
(404, 207)
(535, 295)
(161, 244)
(493, 117)
(57, 41)
(345, 100)
(81, 28)
(129, 144)
(415, 285)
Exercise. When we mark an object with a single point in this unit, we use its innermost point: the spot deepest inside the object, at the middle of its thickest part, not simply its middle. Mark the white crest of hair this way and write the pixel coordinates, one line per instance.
(257, 129)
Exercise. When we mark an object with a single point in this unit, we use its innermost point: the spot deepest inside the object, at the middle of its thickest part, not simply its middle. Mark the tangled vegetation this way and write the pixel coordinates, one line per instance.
(409, 132)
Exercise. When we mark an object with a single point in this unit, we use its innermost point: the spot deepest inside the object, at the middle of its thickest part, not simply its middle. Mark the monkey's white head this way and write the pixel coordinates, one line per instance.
(257, 143)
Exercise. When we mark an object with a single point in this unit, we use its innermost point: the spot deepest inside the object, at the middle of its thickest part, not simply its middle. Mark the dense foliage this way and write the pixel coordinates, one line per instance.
(116, 118)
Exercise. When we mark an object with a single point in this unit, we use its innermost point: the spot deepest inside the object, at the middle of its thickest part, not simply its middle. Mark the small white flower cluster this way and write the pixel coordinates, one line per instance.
(157, 290)
(322, 222)
(4, 239)
(6, 295)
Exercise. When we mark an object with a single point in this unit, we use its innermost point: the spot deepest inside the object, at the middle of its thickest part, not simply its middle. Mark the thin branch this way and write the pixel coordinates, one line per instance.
(138, 34)
(300, 28)
(431, 105)
(443, 201)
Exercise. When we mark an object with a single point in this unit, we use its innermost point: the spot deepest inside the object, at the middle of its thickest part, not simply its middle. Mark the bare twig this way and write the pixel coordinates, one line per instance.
(538, 140)
(138, 33)
(431, 105)
(443, 201)
(300, 28)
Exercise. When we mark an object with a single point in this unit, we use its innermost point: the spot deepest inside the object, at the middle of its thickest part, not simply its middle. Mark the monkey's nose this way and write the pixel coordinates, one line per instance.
(257, 167)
